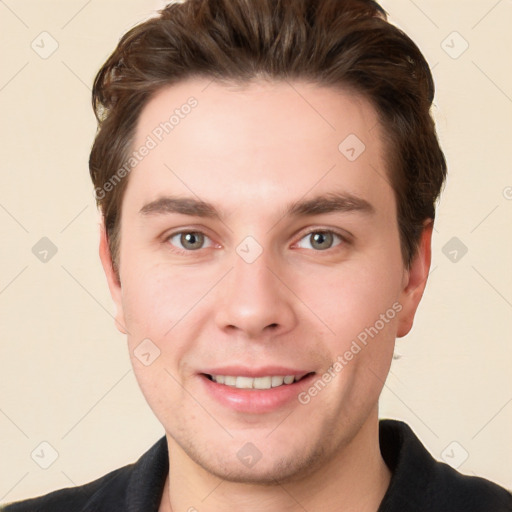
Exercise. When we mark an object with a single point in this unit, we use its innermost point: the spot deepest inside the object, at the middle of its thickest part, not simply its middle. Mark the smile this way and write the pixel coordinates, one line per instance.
(263, 392)
(267, 382)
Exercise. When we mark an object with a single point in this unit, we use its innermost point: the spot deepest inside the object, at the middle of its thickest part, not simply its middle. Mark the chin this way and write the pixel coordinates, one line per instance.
(269, 473)
(251, 466)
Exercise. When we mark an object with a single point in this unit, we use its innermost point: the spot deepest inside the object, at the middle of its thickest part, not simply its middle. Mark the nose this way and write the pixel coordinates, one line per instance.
(254, 300)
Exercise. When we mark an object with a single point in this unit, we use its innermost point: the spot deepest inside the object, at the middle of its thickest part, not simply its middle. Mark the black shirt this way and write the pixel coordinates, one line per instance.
(418, 483)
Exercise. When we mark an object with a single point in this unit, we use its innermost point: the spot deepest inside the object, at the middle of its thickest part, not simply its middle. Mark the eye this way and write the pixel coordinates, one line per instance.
(187, 241)
(320, 240)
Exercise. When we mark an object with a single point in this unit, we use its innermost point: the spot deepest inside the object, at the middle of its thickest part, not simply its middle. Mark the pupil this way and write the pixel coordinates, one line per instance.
(191, 240)
(322, 241)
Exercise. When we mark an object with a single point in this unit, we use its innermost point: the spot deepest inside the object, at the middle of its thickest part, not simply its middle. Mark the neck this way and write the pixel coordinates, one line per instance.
(354, 478)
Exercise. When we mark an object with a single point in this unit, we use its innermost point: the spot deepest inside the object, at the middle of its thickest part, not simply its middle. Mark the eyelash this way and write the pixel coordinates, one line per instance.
(344, 240)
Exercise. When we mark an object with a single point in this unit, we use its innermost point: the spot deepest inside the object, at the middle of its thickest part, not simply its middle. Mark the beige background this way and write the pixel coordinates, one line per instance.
(65, 374)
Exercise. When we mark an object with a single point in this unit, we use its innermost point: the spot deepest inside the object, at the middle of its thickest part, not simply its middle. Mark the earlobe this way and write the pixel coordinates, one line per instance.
(415, 280)
(113, 282)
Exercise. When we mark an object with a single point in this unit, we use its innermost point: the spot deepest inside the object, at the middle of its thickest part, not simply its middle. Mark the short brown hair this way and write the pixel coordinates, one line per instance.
(337, 43)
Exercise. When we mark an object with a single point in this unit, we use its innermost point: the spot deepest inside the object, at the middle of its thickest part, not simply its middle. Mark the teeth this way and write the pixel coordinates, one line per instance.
(253, 383)
(277, 381)
(244, 383)
(262, 383)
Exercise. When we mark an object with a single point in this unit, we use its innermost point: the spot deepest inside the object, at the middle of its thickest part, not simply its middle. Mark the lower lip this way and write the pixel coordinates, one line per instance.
(255, 401)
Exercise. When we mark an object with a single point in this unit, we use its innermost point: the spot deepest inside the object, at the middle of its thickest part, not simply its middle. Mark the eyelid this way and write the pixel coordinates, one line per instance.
(344, 236)
(167, 237)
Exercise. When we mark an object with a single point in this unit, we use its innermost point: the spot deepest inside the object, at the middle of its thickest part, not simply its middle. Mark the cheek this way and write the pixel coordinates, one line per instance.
(354, 297)
(157, 297)
(158, 302)
(361, 307)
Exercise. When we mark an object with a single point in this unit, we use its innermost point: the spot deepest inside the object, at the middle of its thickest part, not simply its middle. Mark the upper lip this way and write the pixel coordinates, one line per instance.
(266, 371)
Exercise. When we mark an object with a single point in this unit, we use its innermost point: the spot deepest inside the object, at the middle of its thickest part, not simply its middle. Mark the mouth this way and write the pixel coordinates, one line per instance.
(253, 391)
(259, 383)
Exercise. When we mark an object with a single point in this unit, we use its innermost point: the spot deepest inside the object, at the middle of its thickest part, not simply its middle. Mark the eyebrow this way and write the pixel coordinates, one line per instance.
(325, 203)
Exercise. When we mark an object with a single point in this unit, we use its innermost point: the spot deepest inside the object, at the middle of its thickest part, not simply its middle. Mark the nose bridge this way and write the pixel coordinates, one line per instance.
(252, 299)
(252, 279)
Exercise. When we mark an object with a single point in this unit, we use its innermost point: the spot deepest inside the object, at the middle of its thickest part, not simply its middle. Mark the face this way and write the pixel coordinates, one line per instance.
(260, 249)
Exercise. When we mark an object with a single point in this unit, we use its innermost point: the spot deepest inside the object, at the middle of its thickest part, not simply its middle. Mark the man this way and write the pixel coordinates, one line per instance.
(267, 174)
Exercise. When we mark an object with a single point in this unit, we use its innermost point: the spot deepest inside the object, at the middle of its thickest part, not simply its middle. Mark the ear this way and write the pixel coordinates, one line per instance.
(114, 284)
(415, 280)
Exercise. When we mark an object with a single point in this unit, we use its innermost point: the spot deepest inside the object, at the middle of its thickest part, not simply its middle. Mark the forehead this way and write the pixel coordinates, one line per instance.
(264, 140)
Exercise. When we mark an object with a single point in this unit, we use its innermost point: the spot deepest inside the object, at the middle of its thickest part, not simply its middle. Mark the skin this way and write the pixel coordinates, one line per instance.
(251, 151)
